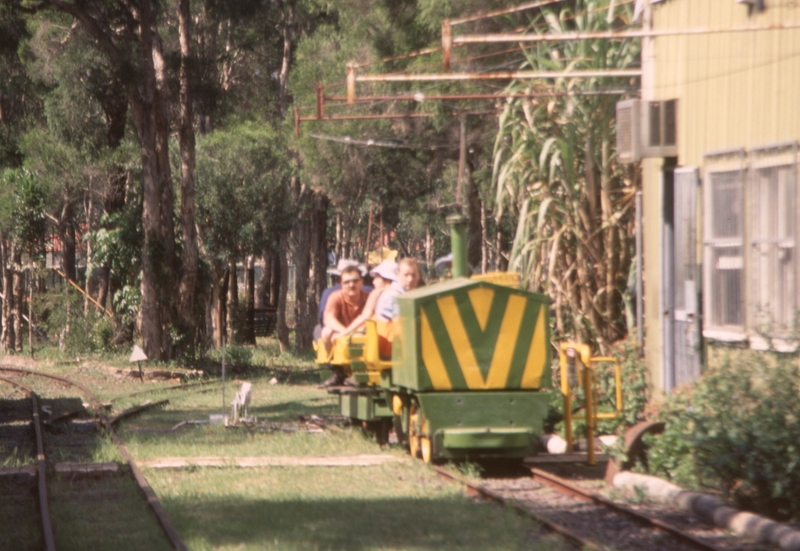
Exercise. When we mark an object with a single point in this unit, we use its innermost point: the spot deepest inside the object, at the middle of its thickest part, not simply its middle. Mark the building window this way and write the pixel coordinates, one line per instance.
(772, 237)
(724, 244)
(750, 246)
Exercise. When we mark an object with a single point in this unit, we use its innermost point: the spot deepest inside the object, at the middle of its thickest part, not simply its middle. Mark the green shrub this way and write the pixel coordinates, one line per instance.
(737, 431)
(61, 316)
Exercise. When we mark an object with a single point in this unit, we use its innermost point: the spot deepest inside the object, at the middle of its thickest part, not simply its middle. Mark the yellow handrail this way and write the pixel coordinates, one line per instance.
(579, 355)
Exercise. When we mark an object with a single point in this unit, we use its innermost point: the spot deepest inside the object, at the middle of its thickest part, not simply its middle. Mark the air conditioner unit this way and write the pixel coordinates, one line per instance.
(646, 129)
(629, 131)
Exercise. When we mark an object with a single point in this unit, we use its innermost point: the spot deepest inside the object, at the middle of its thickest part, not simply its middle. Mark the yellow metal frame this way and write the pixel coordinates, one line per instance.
(588, 379)
(340, 353)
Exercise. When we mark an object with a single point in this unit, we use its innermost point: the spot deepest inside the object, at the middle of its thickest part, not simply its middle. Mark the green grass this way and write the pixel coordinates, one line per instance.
(148, 435)
(103, 514)
(19, 511)
(398, 506)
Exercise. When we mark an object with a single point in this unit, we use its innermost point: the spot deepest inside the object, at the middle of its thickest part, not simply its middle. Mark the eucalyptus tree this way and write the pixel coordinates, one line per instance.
(556, 174)
(20, 95)
(22, 225)
(126, 33)
(242, 180)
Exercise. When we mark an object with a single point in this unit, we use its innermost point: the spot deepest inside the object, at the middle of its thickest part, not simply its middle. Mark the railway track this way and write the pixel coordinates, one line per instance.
(41, 466)
(89, 493)
(591, 521)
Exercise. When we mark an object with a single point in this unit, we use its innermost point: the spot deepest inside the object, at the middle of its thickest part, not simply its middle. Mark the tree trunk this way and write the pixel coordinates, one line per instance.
(262, 289)
(275, 279)
(7, 340)
(502, 248)
(187, 152)
(319, 252)
(283, 79)
(339, 248)
(249, 332)
(19, 297)
(219, 302)
(143, 109)
(475, 229)
(91, 280)
(301, 253)
(168, 264)
(484, 242)
(347, 250)
(233, 301)
(66, 231)
(283, 328)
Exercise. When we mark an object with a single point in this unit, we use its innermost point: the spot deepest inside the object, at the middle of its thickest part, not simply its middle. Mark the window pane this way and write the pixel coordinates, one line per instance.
(726, 286)
(726, 190)
(724, 249)
(773, 250)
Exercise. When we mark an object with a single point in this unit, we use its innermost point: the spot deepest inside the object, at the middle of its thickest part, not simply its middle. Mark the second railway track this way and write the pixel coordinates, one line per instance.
(89, 507)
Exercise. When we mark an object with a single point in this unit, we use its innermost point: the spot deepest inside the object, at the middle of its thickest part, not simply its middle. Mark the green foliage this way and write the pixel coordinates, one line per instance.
(126, 303)
(242, 175)
(28, 217)
(635, 394)
(61, 317)
(737, 431)
(22, 209)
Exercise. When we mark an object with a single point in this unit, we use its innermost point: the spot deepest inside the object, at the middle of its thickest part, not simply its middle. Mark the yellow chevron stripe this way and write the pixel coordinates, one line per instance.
(534, 365)
(506, 342)
(481, 300)
(431, 356)
(460, 341)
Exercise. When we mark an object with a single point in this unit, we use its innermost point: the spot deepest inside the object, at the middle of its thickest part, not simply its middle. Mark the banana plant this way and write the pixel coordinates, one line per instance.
(555, 172)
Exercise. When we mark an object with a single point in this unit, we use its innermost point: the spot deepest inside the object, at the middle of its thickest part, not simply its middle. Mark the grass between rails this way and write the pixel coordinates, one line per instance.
(148, 436)
(395, 506)
(398, 506)
(103, 514)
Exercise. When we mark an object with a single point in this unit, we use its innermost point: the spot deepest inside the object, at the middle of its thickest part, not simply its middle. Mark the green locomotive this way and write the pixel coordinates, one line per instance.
(469, 371)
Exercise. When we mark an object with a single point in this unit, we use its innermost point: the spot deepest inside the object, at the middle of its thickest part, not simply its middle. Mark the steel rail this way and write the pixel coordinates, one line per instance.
(567, 488)
(44, 506)
(497, 498)
(137, 409)
(144, 486)
(182, 386)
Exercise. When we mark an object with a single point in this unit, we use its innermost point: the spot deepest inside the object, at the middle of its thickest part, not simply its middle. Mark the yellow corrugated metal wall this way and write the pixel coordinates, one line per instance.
(736, 89)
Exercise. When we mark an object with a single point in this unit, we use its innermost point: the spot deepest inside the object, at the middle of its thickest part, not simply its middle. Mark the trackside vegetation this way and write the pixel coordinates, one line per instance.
(736, 431)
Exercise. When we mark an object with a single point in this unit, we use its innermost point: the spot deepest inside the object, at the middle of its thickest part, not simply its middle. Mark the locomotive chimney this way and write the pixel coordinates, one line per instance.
(458, 241)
